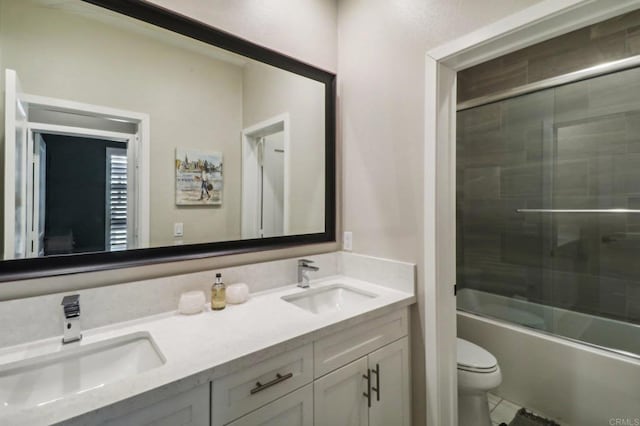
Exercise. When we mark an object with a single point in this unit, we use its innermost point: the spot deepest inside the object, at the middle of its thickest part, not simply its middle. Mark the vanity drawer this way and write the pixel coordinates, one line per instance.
(238, 393)
(339, 349)
(294, 409)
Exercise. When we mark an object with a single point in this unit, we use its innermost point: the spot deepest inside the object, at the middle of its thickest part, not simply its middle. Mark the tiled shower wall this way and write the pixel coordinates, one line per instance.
(613, 39)
(572, 147)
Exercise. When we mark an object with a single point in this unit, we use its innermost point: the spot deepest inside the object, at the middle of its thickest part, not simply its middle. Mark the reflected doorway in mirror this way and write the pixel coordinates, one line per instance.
(120, 211)
(198, 178)
(266, 178)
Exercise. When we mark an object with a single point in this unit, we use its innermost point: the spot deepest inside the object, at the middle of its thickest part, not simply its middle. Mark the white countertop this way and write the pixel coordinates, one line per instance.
(201, 347)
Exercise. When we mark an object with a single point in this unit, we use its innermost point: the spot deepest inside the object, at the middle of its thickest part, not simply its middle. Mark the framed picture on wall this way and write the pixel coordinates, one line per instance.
(198, 178)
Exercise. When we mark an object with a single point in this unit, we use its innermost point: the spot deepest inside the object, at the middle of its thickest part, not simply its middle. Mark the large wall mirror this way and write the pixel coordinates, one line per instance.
(132, 135)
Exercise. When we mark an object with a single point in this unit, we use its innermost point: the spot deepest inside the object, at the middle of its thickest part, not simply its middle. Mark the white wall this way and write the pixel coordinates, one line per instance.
(269, 92)
(303, 29)
(193, 101)
(1, 144)
(381, 72)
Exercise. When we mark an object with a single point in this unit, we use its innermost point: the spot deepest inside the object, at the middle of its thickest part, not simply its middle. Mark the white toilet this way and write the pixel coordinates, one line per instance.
(478, 372)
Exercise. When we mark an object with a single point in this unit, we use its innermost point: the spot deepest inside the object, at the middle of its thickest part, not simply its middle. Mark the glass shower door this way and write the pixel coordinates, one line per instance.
(504, 168)
(596, 177)
(548, 210)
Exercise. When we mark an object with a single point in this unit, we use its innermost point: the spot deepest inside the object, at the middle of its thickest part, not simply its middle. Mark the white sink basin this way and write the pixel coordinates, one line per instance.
(76, 369)
(332, 298)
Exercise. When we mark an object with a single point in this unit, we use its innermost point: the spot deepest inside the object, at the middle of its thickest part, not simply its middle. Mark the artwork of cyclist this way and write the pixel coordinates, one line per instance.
(198, 177)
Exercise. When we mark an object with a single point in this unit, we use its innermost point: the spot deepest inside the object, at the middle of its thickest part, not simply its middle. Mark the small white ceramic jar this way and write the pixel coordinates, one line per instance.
(237, 293)
(191, 302)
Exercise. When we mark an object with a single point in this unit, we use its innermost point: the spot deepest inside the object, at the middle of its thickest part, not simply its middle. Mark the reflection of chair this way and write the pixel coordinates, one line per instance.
(59, 244)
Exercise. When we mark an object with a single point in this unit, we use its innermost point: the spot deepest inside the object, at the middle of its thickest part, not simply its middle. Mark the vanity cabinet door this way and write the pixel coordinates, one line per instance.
(389, 368)
(340, 399)
(295, 409)
(339, 396)
(190, 408)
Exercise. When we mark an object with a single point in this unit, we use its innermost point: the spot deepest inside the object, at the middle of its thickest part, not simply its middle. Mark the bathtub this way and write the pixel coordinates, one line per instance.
(582, 384)
(619, 336)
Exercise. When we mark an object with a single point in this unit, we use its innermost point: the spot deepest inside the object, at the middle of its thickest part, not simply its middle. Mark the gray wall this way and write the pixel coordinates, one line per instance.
(606, 41)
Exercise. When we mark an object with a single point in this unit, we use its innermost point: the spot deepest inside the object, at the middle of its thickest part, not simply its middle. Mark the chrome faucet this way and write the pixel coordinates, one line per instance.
(71, 308)
(304, 266)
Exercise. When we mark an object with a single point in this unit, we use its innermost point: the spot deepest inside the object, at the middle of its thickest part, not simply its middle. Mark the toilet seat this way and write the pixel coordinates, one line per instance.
(474, 359)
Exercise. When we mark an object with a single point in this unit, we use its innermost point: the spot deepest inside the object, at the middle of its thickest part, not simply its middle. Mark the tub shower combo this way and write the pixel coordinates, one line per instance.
(548, 206)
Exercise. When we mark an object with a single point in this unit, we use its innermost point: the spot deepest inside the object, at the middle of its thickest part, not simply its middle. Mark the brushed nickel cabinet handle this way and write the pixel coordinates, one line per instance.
(368, 392)
(279, 378)
(377, 388)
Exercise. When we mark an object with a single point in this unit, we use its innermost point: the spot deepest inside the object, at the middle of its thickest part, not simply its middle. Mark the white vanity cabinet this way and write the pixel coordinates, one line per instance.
(372, 391)
(324, 383)
(189, 408)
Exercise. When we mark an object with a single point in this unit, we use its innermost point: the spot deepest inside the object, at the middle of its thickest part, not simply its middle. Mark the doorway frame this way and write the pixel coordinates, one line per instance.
(250, 180)
(540, 22)
(141, 152)
(132, 148)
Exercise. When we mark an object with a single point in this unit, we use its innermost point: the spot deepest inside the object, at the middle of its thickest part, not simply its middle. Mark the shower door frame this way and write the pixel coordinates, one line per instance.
(543, 21)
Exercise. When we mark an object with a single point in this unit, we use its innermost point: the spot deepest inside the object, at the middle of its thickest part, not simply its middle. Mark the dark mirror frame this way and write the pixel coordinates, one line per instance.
(20, 269)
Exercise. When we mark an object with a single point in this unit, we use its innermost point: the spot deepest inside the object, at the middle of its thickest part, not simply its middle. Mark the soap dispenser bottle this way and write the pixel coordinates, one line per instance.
(218, 294)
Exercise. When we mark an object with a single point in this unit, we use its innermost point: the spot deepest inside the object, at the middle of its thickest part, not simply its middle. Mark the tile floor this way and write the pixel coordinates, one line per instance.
(503, 411)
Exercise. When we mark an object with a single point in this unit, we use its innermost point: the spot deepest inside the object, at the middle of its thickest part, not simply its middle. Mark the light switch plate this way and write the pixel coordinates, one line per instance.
(347, 241)
(178, 229)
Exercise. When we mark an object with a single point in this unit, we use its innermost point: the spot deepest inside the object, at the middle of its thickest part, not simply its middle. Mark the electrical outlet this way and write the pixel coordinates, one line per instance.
(347, 241)
(178, 229)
